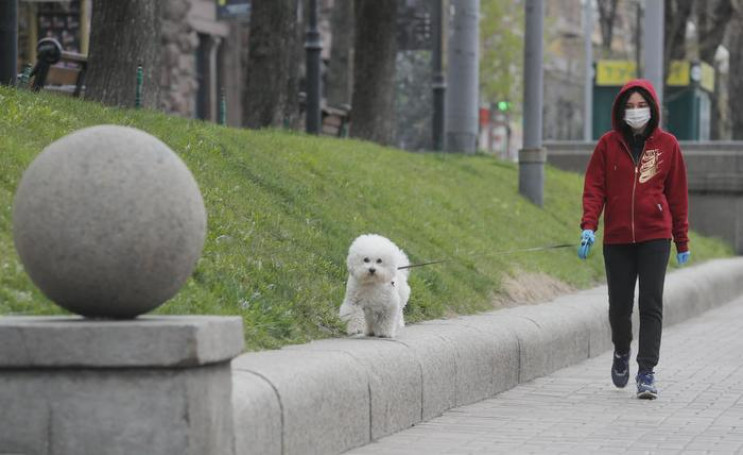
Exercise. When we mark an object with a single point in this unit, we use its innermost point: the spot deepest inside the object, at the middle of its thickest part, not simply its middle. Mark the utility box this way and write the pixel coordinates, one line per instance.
(686, 110)
(687, 100)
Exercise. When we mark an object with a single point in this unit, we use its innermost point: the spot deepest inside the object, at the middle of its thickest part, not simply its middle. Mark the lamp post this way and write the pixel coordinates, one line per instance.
(653, 47)
(313, 46)
(463, 77)
(438, 81)
(8, 41)
(588, 81)
(533, 156)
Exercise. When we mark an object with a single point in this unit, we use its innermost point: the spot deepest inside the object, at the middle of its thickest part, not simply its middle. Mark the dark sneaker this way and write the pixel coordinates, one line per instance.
(646, 385)
(620, 369)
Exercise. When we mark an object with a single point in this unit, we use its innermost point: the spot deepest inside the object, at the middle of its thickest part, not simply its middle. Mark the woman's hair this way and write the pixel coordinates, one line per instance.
(618, 113)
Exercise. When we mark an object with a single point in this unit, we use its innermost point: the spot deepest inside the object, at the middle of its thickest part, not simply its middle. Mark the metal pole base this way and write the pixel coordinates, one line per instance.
(531, 174)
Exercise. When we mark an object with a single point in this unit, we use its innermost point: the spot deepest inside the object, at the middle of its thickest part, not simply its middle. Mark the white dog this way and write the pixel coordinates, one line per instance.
(376, 291)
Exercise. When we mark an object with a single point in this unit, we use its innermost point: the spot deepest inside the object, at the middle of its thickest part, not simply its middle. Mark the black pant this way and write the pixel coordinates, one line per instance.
(624, 264)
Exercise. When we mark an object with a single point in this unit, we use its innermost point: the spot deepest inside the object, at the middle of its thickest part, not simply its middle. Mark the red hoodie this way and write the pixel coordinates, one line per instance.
(641, 201)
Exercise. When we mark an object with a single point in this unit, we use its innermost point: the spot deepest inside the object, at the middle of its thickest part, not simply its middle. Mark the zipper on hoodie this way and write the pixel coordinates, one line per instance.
(634, 186)
(634, 179)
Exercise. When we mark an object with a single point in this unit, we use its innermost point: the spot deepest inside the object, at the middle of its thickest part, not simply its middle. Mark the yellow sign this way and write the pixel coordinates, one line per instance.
(615, 72)
(619, 72)
(708, 77)
(678, 73)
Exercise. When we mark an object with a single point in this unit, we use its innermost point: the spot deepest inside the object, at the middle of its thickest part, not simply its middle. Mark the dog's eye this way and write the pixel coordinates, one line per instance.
(379, 261)
(366, 259)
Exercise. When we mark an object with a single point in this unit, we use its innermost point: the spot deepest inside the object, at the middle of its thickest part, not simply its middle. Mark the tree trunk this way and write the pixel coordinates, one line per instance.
(676, 14)
(124, 34)
(271, 92)
(712, 20)
(607, 14)
(373, 106)
(340, 71)
(735, 91)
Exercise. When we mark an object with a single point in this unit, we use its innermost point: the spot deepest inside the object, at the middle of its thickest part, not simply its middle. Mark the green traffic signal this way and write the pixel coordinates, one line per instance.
(503, 105)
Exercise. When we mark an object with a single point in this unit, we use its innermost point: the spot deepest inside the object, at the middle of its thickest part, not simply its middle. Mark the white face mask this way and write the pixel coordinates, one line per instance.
(637, 118)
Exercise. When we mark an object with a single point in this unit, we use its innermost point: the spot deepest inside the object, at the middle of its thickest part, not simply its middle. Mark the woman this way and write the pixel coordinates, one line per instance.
(637, 177)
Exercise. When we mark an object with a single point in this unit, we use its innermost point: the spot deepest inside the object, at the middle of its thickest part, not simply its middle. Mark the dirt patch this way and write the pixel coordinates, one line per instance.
(524, 288)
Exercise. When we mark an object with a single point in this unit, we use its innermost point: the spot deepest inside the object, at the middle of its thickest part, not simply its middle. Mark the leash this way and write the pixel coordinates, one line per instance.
(497, 253)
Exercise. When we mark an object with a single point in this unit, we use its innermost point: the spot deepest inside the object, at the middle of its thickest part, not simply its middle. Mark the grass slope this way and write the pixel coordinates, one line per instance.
(283, 208)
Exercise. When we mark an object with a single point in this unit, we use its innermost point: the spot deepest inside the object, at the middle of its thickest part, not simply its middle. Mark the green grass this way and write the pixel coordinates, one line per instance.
(283, 208)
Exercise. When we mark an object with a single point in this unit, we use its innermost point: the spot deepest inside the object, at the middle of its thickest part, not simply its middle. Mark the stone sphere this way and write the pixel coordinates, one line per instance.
(108, 222)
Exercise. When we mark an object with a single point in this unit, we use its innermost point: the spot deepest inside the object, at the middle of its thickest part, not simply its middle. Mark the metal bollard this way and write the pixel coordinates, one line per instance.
(222, 108)
(138, 95)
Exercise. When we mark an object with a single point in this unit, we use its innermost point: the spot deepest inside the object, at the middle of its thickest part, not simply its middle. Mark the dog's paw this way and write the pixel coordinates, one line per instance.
(351, 331)
(355, 327)
(387, 332)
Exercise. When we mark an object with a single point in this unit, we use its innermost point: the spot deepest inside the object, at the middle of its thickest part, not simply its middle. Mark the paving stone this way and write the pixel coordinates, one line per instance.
(700, 375)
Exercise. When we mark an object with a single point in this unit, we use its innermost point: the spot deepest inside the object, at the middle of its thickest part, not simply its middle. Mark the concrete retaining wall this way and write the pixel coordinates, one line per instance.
(329, 396)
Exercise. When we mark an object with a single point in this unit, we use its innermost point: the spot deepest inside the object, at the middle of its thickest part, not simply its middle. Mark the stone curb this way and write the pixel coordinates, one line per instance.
(330, 396)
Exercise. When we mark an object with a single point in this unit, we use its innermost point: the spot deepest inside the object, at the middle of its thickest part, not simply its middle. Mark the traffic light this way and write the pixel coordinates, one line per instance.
(503, 106)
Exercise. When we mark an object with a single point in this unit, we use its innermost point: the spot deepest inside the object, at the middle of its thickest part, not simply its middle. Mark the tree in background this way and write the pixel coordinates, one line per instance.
(340, 69)
(712, 19)
(607, 16)
(677, 14)
(502, 50)
(373, 101)
(414, 100)
(123, 34)
(272, 82)
(735, 90)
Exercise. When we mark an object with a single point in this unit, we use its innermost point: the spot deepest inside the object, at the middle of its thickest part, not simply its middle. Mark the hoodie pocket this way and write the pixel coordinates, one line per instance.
(662, 212)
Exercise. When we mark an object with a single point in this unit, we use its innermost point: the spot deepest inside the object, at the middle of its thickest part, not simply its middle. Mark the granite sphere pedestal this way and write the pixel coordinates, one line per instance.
(108, 222)
(152, 385)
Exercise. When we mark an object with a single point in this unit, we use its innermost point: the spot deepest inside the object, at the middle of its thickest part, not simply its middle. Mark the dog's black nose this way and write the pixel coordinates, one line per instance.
(372, 270)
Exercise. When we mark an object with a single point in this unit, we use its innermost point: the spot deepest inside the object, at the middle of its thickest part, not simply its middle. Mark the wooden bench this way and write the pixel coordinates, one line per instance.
(65, 79)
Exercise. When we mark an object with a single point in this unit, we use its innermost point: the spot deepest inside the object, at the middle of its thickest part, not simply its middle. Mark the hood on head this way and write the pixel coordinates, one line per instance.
(617, 111)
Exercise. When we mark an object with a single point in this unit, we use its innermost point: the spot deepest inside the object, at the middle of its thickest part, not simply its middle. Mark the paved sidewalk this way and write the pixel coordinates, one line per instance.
(578, 410)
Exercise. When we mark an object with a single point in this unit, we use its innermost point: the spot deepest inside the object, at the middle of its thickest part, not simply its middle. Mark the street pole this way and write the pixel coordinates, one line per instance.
(8, 41)
(533, 156)
(638, 37)
(463, 78)
(653, 40)
(588, 83)
(438, 81)
(313, 47)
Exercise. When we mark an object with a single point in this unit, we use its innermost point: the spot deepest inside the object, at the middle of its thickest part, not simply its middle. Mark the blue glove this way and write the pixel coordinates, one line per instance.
(586, 240)
(683, 258)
